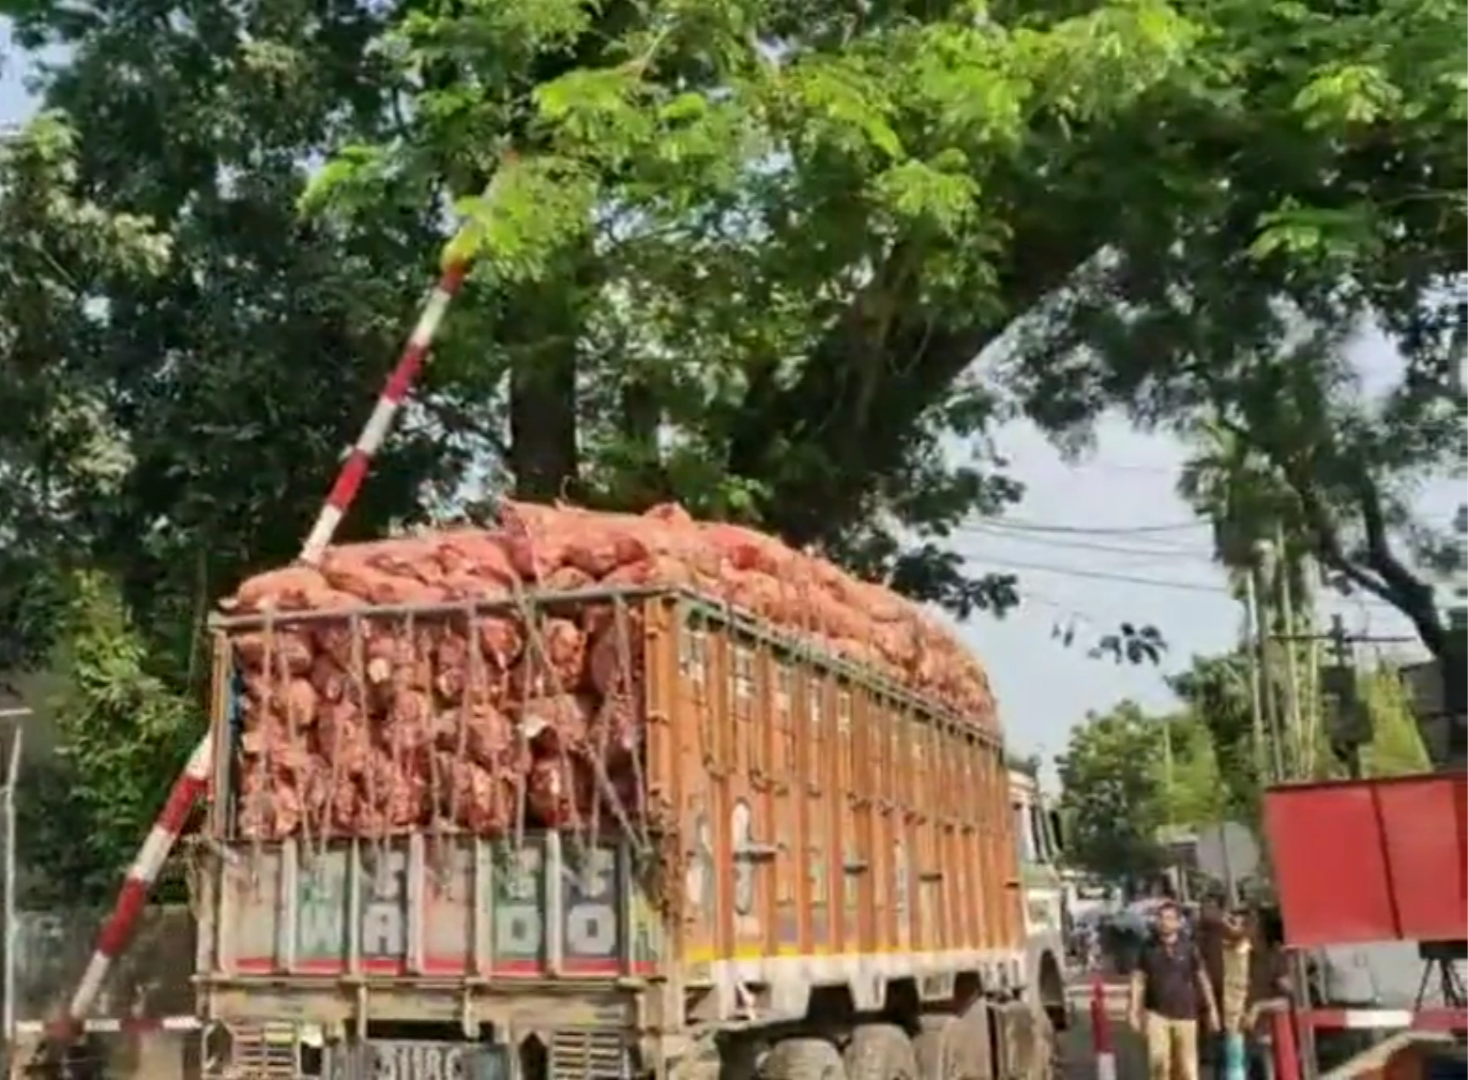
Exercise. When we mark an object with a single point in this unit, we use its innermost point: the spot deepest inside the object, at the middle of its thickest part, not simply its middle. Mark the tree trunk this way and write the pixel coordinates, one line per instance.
(641, 418)
(543, 447)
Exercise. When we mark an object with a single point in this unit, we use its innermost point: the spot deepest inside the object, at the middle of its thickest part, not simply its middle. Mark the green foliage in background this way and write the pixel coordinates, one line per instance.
(1112, 793)
(1129, 776)
(745, 255)
(1396, 747)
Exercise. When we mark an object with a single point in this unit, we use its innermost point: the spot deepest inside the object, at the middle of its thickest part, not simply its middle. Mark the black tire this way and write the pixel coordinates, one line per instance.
(1026, 1040)
(802, 1059)
(946, 1049)
(976, 1027)
(880, 1052)
(1047, 1048)
(1052, 993)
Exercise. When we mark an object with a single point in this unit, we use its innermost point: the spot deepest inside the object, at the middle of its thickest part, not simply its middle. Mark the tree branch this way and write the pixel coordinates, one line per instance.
(906, 360)
(1410, 594)
(1384, 575)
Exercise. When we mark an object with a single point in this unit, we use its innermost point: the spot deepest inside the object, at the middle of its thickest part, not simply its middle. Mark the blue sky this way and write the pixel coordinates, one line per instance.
(13, 101)
(1127, 483)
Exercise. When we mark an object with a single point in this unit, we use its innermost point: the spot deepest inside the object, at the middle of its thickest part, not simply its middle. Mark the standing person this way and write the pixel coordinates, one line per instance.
(1170, 993)
(1235, 997)
(1269, 985)
(1211, 936)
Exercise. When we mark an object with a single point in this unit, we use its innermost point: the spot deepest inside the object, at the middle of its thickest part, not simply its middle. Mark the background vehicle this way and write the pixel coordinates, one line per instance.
(1370, 877)
(1046, 917)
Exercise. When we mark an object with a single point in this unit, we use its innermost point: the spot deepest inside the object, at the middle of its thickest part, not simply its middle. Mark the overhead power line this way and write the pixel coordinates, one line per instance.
(1098, 575)
(1020, 525)
(1365, 603)
(1047, 540)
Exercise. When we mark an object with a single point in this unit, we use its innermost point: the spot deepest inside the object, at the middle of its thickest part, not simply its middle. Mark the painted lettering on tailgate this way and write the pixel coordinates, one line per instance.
(647, 931)
(447, 946)
(385, 908)
(321, 912)
(254, 922)
(591, 933)
(519, 910)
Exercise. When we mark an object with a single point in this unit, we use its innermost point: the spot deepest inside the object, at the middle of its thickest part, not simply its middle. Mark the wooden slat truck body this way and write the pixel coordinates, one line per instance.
(836, 871)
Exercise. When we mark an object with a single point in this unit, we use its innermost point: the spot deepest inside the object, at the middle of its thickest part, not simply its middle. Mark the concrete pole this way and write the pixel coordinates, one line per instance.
(12, 776)
(1256, 678)
(1292, 668)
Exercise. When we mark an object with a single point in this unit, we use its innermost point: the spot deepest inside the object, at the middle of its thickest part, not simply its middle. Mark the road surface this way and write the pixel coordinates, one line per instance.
(1077, 1045)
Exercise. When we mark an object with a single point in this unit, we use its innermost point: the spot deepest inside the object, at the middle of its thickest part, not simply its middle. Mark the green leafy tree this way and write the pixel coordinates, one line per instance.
(1242, 326)
(746, 258)
(812, 206)
(1195, 789)
(61, 454)
(184, 362)
(1350, 469)
(1396, 747)
(120, 729)
(1218, 695)
(1112, 795)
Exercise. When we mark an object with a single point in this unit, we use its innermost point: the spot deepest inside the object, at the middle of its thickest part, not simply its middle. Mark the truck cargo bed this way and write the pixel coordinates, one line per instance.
(797, 824)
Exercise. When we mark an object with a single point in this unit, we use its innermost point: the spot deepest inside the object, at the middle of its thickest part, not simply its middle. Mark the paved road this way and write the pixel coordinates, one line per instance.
(1077, 1045)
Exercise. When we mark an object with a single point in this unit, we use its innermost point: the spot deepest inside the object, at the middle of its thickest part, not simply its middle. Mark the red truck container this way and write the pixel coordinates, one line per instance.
(1362, 863)
(1374, 860)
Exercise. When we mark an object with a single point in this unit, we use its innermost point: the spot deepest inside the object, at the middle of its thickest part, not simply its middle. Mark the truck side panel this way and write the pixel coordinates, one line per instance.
(828, 823)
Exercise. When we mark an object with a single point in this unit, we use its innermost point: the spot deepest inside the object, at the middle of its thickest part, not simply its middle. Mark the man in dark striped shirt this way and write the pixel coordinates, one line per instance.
(1170, 993)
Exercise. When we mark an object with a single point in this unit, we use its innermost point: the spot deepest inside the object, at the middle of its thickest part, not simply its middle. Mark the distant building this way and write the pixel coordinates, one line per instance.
(1219, 856)
(11, 699)
(28, 699)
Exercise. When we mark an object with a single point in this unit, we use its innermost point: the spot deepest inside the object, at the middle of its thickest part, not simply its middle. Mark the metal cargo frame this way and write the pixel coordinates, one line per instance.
(822, 810)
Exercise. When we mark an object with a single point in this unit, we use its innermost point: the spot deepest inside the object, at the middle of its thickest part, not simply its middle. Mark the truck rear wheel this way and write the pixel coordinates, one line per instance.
(1025, 1042)
(880, 1052)
(946, 1049)
(802, 1059)
(975, 1024)
(1047, 1047)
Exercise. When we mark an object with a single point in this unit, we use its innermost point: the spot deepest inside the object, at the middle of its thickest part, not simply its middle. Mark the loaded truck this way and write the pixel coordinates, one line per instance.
(751, 850)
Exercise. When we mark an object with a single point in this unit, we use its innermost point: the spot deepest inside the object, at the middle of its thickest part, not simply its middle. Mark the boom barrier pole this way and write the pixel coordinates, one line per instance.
(193, 784)
(1284, 1048)
(1101, 1032)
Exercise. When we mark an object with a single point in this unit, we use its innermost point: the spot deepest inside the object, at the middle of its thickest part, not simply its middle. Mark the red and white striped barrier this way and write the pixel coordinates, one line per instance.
(1283, 1021)
(190, 786)
(1431, 1019)
(104, 1025)
(394, 392)
(1101, 1033)
(194, 782)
